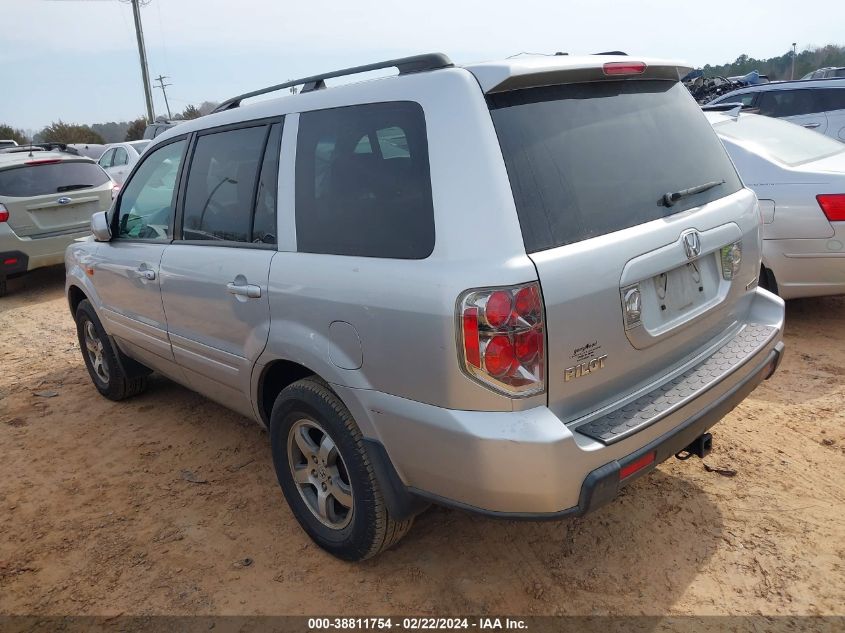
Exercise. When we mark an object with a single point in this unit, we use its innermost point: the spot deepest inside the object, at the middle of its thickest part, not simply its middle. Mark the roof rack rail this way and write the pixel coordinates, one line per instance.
(405, 66)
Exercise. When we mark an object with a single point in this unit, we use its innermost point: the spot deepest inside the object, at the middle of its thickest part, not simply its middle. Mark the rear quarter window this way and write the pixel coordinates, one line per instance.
(362, 182)
(40, 180)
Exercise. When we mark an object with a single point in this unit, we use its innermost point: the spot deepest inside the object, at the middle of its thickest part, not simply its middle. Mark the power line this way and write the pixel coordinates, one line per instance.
(160, 79)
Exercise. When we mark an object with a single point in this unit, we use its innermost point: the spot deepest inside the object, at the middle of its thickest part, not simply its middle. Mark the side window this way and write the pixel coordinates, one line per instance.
(120, 157)
(220, 194)
(106, 159)
(362, 182)
(264, 224)
(783, 103)
(148, 199)
(747, 99)
(833, 99)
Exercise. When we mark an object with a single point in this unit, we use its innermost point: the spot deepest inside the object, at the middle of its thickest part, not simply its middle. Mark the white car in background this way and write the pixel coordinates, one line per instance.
(799, 178)
(118, 159)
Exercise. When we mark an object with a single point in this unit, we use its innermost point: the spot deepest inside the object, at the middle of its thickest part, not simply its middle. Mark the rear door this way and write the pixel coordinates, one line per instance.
(126, 269)
(632, 287)
(214, 277)
(52, 196)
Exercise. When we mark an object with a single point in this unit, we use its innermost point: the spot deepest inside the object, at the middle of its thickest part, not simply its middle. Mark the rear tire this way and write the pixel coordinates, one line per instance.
(101, 359)
(318, 446)
(2, 286)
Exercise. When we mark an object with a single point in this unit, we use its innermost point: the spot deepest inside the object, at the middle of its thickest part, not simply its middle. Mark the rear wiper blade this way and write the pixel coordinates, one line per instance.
(669, 199)
(71, 187)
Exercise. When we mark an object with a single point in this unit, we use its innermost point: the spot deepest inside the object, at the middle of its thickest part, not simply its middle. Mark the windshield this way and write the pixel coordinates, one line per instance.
(783, 141)
(588, 159)
(39, 180)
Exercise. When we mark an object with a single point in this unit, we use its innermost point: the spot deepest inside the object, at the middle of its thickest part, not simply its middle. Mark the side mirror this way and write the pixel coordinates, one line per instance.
(100, 226)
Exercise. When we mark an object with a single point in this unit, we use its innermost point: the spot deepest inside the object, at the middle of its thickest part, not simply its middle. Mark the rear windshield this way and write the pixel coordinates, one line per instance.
(39, 180)
(783, 141)
(592, 158)
(140, 146)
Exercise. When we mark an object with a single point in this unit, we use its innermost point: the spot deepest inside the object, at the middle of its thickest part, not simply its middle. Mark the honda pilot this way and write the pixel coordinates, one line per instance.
(511, 287)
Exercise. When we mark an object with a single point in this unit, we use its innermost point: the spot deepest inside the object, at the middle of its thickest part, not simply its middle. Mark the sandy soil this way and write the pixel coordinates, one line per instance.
(97, 517)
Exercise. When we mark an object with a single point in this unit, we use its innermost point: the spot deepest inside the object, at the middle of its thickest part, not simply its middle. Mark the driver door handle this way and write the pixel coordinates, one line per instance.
(812, 125)
(245, 290)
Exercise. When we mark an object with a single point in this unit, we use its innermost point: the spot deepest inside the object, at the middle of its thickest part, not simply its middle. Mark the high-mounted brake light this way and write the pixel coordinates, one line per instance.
(4, 213)
(43, 161)
(502, 338)
(624, 68)
(833, 206)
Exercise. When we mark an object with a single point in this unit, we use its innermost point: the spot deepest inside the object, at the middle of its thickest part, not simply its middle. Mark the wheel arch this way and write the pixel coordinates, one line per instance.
(274, 377)
(75, 296)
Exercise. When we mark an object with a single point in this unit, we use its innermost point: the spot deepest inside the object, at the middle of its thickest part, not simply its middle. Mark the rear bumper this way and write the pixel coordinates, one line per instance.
(36, 252)
(529, 464)
(808, 267)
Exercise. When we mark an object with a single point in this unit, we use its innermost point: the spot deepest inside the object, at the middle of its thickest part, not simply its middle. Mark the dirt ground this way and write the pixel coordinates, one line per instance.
(98, 516)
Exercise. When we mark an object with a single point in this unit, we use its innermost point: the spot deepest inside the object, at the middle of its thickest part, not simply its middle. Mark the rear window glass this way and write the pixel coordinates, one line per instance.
(39, 180)
(589, 159)
(362, 182)
(785, 142)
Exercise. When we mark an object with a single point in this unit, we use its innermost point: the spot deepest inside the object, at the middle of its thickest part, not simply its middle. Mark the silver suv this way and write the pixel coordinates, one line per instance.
(512, 287)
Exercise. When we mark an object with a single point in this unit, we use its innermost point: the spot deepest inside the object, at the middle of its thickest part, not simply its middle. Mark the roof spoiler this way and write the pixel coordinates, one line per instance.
(551, 71)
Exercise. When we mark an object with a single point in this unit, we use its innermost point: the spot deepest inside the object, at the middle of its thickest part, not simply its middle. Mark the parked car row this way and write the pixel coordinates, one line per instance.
(799, 179)
(454, 285)
(818, 105)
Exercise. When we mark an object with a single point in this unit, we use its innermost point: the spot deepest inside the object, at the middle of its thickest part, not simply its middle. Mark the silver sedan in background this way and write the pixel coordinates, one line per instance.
(118, 159)
(799, 178)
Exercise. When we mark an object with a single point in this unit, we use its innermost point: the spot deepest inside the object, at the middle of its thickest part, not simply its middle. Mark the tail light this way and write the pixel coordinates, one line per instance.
(833, 206)
(4, 214)
(502, 338)
(624, 68)
(115, 189)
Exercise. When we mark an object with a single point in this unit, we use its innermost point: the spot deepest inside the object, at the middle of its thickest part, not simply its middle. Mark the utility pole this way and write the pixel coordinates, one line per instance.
(142, 52)
(160, 79)
(792, 75)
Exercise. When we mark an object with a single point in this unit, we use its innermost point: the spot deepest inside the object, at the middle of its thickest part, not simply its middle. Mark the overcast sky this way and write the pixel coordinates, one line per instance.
(77, 60)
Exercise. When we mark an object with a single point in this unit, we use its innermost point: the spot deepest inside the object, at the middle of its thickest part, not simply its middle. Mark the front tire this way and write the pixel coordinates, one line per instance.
(326, 476)
(101, 359)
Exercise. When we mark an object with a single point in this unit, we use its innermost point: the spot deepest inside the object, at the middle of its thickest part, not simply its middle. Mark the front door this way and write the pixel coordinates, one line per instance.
(214, 280)
(126, 270)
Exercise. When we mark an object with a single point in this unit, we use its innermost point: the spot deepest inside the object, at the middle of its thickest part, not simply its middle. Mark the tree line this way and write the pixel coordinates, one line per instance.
(780, 68)
(99, 133)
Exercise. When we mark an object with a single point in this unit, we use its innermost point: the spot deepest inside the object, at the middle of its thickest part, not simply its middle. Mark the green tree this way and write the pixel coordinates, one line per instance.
(61, 132)
(191, 112)
(135, 132)
(7, 132)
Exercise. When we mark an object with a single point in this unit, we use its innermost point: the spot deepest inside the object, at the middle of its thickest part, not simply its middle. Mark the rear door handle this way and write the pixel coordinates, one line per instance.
(245, 290)
(812, 125)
